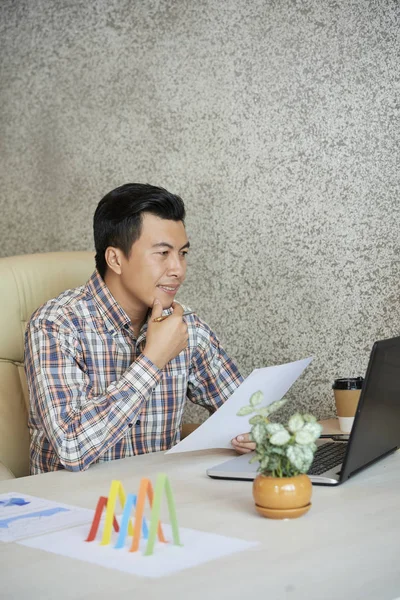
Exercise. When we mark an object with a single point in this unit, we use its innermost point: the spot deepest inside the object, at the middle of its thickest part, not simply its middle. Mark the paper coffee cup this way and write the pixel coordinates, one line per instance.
(347, 394)
(346, 424)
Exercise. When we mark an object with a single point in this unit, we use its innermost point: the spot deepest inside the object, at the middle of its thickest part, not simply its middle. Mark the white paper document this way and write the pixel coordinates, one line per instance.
(198, 547)
(23, 516)
(224, 424)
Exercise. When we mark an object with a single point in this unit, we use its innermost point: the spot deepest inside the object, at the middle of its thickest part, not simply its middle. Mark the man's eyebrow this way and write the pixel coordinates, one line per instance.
(166, 245)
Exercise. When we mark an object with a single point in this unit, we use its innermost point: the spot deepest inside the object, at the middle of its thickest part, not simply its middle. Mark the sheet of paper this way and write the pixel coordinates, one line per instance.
(198, 547)
(22, 516)
(224, 424)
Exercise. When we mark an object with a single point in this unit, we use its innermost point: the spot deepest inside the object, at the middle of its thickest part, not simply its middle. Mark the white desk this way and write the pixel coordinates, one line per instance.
(346, 547)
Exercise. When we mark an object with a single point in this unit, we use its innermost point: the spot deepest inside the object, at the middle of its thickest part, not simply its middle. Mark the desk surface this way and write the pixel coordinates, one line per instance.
(346, 547)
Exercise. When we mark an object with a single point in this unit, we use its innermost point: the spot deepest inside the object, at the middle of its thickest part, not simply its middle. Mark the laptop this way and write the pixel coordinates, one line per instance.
(375, 433)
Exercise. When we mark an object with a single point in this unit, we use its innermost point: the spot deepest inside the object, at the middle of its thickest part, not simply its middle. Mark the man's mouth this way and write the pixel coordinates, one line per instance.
(169, 289)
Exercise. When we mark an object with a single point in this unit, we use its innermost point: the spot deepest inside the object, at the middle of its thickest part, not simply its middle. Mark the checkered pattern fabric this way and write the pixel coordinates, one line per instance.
(95, 397)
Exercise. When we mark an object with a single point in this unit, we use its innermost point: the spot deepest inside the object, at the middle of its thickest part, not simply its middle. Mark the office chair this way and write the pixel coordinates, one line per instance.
(26, 282)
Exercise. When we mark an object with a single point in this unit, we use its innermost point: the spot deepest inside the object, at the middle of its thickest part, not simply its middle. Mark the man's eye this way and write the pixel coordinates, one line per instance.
(184, 254)
(164, 253)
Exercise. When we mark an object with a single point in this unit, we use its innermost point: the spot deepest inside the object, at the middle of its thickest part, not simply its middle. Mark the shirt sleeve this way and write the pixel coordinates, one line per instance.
(213, 375)
(79, 425)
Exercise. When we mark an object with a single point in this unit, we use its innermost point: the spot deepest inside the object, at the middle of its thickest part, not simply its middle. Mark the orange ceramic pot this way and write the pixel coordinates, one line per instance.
(282, 497)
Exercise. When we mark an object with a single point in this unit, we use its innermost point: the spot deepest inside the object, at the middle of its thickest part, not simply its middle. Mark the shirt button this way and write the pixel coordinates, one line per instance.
(130, 425)
(138, 422)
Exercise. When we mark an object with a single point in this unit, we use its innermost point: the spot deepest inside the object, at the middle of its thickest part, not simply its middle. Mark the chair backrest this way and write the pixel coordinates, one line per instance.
(27, 282)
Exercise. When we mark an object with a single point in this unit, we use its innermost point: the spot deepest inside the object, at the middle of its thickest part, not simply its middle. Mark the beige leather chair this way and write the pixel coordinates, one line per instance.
(26, 282)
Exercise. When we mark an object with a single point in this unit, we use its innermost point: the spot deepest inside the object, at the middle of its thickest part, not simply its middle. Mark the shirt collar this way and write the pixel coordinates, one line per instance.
(114, 316)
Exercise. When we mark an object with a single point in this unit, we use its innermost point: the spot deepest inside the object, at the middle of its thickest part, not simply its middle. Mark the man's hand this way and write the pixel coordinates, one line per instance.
(167, 338)
(243, 444)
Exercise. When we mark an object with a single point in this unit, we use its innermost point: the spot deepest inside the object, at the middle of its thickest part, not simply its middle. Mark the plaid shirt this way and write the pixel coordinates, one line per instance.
(95, 397)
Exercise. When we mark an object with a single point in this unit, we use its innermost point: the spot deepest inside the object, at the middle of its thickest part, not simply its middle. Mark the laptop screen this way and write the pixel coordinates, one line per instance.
(376, 429)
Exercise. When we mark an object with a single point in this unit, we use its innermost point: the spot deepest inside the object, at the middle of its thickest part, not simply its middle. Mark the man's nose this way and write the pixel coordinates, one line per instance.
(176, 266)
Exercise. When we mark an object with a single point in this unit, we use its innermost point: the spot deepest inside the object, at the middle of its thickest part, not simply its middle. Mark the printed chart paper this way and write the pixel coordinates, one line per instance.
(218, 430)
(23, 516)
(197, 548)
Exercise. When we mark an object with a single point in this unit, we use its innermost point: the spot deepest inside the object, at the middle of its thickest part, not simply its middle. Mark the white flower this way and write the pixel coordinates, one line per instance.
(280, 438)
(296, 422)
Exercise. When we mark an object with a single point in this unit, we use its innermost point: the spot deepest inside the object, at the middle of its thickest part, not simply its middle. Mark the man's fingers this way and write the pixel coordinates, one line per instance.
(243, 443)
(243, 437)
(178, 309)
(250, 445)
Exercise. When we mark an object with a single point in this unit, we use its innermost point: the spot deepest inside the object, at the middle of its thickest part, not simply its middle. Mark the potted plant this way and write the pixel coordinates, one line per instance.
(282, 489)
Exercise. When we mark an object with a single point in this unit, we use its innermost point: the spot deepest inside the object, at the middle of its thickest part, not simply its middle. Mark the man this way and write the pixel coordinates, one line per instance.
(107, 377)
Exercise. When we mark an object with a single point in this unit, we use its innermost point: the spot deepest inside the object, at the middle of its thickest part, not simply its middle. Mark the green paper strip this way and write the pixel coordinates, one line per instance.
(161, 484)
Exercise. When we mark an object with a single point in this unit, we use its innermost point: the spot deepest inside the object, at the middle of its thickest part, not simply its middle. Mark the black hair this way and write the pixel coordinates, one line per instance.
(118, 217)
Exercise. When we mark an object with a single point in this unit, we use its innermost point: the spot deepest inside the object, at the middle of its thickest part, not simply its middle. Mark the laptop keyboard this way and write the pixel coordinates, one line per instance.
(327, 456)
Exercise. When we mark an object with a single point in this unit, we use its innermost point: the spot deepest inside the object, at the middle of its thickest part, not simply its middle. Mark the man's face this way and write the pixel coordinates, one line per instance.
(156, 266)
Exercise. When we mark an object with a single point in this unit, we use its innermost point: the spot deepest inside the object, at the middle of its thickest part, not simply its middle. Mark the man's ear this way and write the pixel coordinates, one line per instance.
(113, 258)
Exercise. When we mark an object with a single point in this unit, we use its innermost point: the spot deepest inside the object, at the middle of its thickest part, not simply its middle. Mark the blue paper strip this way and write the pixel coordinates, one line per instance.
(123, 530)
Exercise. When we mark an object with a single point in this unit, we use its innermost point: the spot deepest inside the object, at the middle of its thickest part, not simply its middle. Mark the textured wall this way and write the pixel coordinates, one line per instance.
(278, 123)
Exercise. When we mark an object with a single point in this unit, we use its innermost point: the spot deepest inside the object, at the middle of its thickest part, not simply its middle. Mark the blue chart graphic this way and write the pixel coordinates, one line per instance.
(14, 502)
(41, 513)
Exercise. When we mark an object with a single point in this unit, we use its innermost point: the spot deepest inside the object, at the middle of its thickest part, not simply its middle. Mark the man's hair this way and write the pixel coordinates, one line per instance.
(119, 215)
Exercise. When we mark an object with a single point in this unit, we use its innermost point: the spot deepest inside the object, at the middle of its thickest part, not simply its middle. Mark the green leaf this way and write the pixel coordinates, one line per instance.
(314, 428)
(274, 462)
(253, 459)
(304, 437)
(264, 463)
(295, 423)
(308, 457)
(264, 411)
(277, 450)
(296, 457)
(258, 433)
(308, 454)
(276, 406)
(274, 428)
(301, 457)
(256, 419)
(245, 410)
(309, 418)
(280, 438)
(256, 398)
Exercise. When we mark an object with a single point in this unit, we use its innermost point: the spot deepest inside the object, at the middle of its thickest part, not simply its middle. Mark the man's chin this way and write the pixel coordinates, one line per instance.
(165, 304)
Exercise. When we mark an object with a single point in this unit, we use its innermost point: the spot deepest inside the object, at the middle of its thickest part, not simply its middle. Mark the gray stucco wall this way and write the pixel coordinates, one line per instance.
(276, 121)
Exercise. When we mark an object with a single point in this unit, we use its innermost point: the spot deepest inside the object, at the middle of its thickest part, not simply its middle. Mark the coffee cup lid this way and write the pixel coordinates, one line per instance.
(348, 383)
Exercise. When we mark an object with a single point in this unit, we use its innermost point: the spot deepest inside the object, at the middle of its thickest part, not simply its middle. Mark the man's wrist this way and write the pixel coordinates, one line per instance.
(156, 360)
